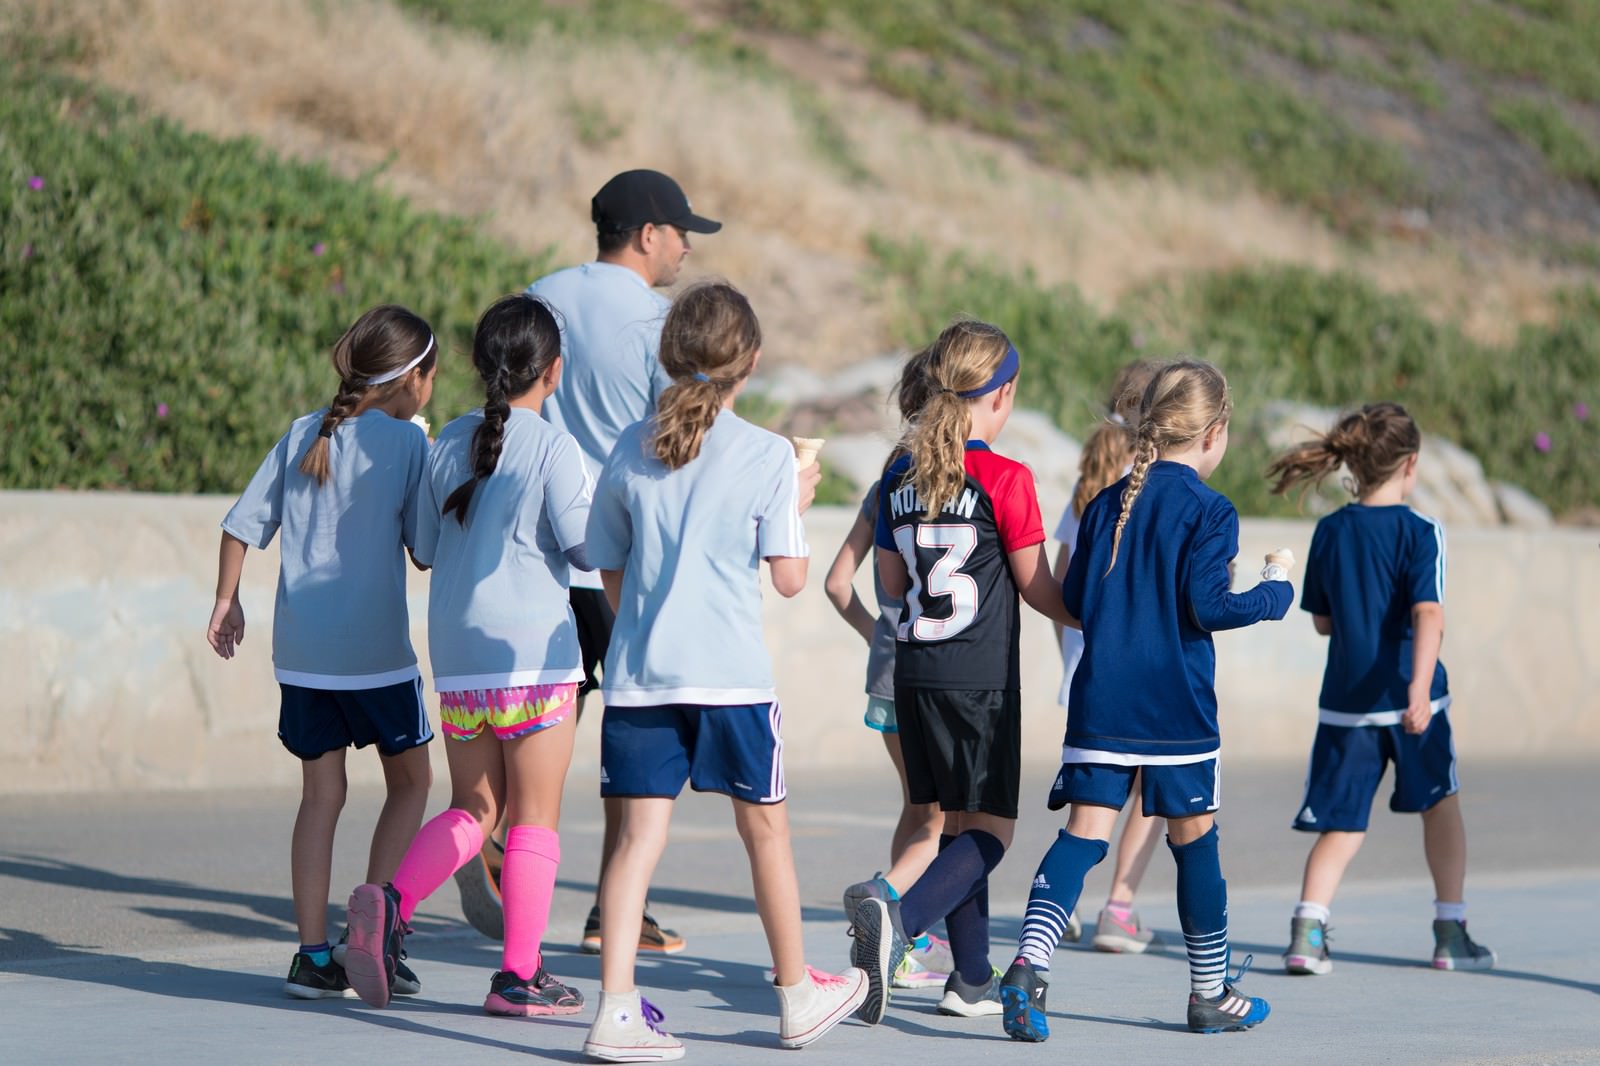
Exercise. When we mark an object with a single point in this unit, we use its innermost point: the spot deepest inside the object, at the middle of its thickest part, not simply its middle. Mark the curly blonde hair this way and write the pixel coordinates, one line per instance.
(964, 357)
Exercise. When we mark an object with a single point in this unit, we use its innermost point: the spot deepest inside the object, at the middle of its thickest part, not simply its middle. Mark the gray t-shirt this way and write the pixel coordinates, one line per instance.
(690, 542)
(497, 608)
(610, 343)
(340, 621)
(880, 654)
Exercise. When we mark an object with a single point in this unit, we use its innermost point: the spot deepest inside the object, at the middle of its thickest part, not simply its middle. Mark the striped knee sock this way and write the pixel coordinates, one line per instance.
(1055, 892)
(1203, 912)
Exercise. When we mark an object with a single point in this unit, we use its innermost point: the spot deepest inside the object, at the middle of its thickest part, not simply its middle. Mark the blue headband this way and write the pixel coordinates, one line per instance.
(1003, 373)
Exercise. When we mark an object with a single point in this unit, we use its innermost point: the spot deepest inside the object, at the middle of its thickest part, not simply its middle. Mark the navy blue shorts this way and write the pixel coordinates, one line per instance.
(653, 751)
(315, 721)
(1180, 791)
(1347, 764)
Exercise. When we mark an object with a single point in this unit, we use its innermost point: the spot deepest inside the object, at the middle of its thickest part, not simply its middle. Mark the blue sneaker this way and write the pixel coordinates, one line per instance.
(1022, 992)
(1229, 1011)
(878, 946)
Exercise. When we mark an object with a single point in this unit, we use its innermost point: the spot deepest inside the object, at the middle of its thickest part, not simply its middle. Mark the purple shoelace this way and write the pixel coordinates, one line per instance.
(652, 1016)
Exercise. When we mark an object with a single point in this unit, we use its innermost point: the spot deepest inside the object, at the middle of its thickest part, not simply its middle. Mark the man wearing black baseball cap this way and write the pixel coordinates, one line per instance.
(611, 377)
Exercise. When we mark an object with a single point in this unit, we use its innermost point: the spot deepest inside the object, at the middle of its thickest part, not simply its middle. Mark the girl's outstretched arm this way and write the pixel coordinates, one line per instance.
(1030, 567)
(840, 583)
(1427, 637)
(226, 628)
(1213, 606)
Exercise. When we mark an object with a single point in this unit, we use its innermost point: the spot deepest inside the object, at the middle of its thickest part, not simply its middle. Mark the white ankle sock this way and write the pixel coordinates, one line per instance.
(1306, 909)
(1449, 912)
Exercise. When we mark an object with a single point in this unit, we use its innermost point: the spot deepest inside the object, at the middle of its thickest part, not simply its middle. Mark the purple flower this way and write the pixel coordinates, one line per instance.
(27, 251)
(318, 248)
(161, 410)
(36, 183)
(1580, 411)
(1541, 441)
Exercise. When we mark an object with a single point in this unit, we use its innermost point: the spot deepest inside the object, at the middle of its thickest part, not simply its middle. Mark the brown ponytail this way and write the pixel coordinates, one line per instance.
(964, 357)
(380, 342)
(1183, 400)
(709, 344)
(1372, 443)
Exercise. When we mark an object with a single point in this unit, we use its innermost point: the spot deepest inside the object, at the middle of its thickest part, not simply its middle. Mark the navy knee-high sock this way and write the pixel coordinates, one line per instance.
(1055, 892)
(1203, 912)
(967, 926)
(958, 871)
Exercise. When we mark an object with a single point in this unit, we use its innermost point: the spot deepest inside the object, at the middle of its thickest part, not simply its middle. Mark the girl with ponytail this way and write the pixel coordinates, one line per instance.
(1375, 587)
(959, 536)
(504, 507)
(686, 508)
(1150, 582)
(343, 487)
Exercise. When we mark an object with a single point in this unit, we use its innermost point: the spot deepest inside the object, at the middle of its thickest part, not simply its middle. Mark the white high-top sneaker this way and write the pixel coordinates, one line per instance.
(627, 1029)
(818, 1003)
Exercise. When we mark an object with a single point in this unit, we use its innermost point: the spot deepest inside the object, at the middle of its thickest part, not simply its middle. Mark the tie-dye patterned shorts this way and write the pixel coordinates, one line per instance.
(510, 712)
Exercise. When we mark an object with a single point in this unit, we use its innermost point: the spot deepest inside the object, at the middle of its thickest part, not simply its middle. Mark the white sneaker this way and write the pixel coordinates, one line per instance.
(818, 1003)
(627, 1029)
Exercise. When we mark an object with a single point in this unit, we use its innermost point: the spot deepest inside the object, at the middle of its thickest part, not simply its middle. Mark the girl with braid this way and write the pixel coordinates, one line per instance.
(342, 485)
(504, 505)
(1149, 582)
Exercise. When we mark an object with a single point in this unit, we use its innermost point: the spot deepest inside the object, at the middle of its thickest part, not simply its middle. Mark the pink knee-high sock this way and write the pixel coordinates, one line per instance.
(441, 847)
(527, 881)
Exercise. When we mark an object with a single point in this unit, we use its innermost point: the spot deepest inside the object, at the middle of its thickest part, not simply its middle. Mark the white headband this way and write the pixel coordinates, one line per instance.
(403, 371)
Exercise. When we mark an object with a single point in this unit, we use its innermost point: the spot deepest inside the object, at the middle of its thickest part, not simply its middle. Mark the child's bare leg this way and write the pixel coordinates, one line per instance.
(1326, 864)
(764, 828)
(406, 777)
(611, 806)
(641, 837)
(1138, 843)
(1444, 842)
(322, 793)
(916, 834)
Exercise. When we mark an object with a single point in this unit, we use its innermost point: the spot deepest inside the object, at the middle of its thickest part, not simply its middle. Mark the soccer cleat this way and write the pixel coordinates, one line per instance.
(307, 980)
(627, 1028)
(376, 944)
(1308, 947)
(818, 1003)
(1231, 1010)
(541, 994)
(652, 937)
(1453, 949)
(1120, 937)
(924, 967)
(878, 946)
(1022, 992)
(971, 1001)
(875, 887)
(479, 885)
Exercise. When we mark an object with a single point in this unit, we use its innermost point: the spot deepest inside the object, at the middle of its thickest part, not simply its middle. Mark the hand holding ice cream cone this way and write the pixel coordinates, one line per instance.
(1279, 562)
(806, 449)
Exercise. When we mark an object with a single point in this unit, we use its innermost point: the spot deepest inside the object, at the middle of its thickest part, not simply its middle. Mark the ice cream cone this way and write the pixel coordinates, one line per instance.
(806, 449)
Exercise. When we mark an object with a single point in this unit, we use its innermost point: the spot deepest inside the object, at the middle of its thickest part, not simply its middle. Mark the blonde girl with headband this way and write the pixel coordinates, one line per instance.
(1150, 584)
(916, 833)
(1374, 586)
(505, 503)
(1107, 457)
(342, 487)
(959, 536)
(686, 508)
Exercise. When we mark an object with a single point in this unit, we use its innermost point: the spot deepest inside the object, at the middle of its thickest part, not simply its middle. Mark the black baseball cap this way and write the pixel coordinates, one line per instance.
(636, 197)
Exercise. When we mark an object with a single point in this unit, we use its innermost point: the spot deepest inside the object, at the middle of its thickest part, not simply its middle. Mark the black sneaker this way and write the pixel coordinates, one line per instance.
(652, 937)
(878, 946)
(542, 994)
(307, 980)
(1022, 992)
(376, 943)
(1229, 1011)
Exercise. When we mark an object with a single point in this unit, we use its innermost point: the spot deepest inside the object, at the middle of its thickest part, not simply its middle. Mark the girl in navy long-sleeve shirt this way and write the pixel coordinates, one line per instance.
(1149, 580)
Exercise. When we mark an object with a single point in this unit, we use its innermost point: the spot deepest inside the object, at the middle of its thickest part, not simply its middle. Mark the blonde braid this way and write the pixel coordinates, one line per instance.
(1144, 456)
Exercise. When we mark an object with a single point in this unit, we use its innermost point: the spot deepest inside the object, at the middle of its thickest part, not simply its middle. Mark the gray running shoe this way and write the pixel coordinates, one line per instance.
(878, 946)
(971, 1001)
(1118, 937)
(874, 887)
(1308, 947)
(1453, 949)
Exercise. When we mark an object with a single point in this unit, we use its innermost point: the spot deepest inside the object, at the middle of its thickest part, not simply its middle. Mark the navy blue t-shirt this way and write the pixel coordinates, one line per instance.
(1367, 568)
(1144, 688)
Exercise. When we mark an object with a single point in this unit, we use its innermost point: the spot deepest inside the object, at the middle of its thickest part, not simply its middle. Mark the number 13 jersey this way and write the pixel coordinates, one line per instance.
(960, 624)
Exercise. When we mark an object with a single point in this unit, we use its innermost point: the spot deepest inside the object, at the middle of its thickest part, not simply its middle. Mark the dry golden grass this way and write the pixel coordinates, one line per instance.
(525, 137)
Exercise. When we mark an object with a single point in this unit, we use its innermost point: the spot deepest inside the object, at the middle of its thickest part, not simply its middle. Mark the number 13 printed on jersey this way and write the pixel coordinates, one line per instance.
(945, 579)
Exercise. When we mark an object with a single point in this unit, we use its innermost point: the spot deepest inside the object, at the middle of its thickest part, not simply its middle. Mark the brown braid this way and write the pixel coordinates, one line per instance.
(711, 330)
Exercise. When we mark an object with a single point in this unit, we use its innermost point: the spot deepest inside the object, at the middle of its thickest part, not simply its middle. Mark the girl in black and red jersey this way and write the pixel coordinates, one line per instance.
(959, 535)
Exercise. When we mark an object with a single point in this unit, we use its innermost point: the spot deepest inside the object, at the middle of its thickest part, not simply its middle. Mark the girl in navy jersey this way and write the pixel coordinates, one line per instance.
(686, 508)
(1374, 585)
(505, 503)
(342, 486)
(916, 835)
(960, 537)
(1150, 583)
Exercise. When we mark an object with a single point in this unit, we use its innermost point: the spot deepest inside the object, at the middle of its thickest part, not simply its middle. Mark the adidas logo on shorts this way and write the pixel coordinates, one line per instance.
(1308, 817)
(605, 778)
